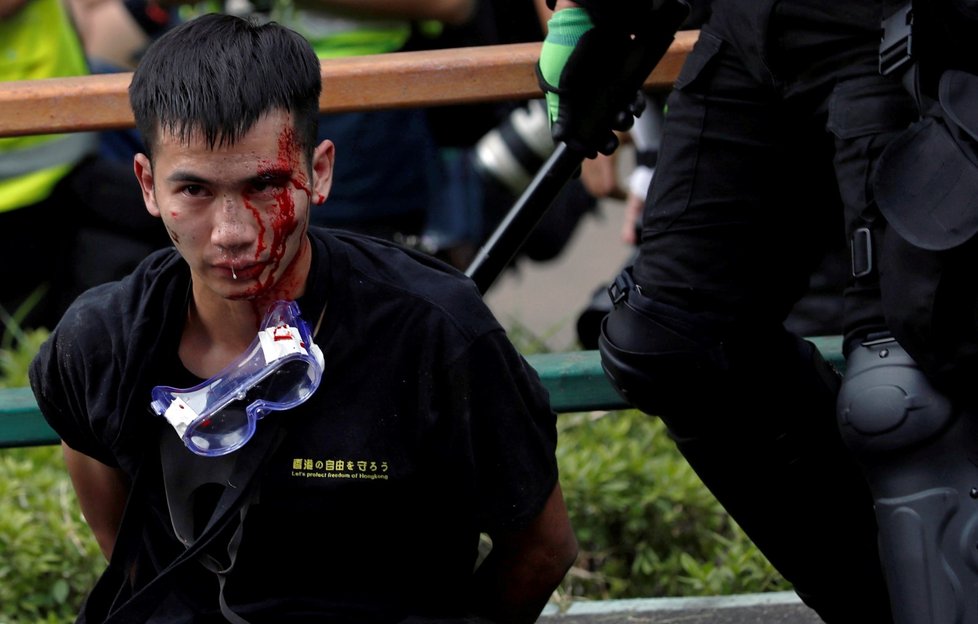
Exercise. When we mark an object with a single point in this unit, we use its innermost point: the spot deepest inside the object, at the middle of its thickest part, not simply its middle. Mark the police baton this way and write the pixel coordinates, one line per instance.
(523, 217)
(532, 205)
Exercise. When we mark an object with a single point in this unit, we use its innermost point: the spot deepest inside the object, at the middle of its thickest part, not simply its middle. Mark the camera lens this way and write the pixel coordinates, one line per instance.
(513, 151)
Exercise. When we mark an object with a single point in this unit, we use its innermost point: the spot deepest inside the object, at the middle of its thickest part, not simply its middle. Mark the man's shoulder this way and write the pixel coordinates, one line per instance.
(397, 278)
(88, 374)
(116, 304)
(398, 267)
(111, 318)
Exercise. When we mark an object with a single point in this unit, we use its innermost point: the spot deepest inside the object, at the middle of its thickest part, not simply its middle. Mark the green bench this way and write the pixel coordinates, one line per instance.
(575, 381)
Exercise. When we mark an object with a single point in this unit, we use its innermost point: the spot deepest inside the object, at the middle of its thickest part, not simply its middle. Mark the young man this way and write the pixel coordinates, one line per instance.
(366, 500)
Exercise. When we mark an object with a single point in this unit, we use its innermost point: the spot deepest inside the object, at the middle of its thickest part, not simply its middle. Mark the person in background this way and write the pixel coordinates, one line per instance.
(115, 33)
(384, 187)
(272, 421)
(68, 218)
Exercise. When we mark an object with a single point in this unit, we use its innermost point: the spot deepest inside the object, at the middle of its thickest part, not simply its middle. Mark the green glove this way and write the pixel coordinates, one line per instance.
(578, 71)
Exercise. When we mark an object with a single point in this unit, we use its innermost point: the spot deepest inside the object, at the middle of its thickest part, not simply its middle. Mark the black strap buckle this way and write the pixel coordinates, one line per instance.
(619, 289)
(896, 45)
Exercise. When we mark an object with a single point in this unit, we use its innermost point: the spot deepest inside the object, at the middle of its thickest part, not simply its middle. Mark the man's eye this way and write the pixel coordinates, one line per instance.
(193, 190)
(267, 186)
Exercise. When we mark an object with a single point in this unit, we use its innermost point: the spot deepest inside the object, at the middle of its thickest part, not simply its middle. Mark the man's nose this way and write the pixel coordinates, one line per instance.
(235, 226)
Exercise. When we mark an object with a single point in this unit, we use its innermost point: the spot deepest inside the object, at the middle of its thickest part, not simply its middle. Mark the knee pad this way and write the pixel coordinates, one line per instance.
(754, 415)
(886, 403)
(655, 358)
(664, 361)
(917, 451)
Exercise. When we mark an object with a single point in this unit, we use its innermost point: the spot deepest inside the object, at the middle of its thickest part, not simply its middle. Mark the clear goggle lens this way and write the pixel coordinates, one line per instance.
(280, 369)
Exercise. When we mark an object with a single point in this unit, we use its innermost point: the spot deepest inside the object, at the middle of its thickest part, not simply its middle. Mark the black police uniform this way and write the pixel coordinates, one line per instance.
(776, 138)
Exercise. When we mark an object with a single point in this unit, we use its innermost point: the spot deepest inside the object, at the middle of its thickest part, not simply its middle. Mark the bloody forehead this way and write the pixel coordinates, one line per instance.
(289, 148)
(288, 160)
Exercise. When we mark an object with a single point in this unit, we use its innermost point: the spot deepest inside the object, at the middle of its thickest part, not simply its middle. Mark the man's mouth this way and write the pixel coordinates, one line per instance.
(240, 272)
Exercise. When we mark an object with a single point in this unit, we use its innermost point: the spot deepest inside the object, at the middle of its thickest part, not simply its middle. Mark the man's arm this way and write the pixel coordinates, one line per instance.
(109, 31)
(524, 567)
(102, 492)
(9, 7)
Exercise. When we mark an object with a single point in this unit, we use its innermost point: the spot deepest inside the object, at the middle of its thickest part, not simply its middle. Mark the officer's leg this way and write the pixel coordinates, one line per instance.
(740, 202)
(753, 415)
(907, 410)
(915, 446)
(918, 451)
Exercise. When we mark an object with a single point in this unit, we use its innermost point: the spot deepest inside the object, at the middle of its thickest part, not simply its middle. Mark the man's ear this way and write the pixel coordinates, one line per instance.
(322, 171)
(144, 175)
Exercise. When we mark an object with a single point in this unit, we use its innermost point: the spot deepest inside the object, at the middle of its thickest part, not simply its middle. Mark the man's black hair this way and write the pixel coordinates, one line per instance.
(219, 74)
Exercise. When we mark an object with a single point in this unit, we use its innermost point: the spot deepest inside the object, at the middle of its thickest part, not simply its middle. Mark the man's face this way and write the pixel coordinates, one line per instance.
(238, 214)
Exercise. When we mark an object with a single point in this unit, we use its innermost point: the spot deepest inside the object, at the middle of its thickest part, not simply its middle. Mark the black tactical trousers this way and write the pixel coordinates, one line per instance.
(769, 145)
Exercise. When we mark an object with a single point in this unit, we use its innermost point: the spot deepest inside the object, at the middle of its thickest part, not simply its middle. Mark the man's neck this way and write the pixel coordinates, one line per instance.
(215, 334)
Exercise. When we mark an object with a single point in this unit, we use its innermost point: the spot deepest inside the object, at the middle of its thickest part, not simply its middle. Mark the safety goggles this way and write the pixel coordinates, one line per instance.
(280, 369)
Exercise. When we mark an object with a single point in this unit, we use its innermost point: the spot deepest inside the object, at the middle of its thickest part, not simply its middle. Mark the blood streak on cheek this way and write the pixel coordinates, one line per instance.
(256, 213)
(282, 221)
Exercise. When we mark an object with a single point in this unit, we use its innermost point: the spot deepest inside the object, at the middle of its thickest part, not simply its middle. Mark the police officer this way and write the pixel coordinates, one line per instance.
(787, 116)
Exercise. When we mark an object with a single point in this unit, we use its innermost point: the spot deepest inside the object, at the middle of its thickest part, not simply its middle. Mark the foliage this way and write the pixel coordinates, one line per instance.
(48, 556)
(529, 341)
(15, 356)
(50, 559)
(646, 524)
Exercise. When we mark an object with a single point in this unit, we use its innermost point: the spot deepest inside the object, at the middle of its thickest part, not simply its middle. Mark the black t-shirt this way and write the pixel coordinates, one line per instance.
(428, 428)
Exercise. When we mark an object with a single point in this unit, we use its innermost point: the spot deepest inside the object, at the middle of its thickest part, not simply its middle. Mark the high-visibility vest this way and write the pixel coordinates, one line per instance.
(334, 35)
(39, 41)
(331, 33)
